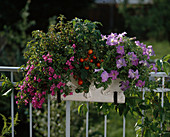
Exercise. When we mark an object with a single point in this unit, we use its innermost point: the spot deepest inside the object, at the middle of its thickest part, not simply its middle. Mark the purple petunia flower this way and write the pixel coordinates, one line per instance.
(97, 70)
(113, 74)
(133, 74)
(124, 85)
(140, 83)
(154, 67)
(112, 39)
(104, 76)
(120, 63)
(150, 51)
(103, 37)
(120, 50)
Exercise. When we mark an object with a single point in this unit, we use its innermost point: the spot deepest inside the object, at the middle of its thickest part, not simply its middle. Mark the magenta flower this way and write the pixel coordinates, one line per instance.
(50, 60)
(45, 58)
(51, 70)
(72, 58)
(124, 85)
(64, 95)
(27, 78)
(53, 93)
(35, 78)
(113, 74)
(27, 67)
(120, 50)
(71, 67)
(50, 78)
(120, 63)
(55, 76)
(133, 74)
(68, 63)
(71, 93)
(140, 83)
(104, 76)
(32, 67)
(74, 46)
(39, 80)
(61, 91)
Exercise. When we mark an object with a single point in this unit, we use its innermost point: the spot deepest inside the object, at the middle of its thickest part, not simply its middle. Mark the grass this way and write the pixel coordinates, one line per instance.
(161, 48)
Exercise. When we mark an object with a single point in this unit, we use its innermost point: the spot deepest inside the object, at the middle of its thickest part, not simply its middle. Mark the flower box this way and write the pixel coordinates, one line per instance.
(97, 95)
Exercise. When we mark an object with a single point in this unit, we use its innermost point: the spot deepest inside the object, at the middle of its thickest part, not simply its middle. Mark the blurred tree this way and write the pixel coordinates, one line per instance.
(13, 39)
(150, 21)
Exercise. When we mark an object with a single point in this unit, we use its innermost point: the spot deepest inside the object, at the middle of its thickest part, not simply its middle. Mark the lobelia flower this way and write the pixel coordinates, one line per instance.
(140, 83)
(120, 50)
(133, 74)
(124, 85)
(120, 63)
(104, 76)
(144, 62)
(113, 74)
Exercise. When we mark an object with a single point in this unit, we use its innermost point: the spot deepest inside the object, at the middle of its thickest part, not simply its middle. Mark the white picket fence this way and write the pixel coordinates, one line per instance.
(15, 69)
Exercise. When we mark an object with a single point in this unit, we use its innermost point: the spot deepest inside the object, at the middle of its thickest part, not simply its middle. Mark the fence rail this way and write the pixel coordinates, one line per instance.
(16, 69)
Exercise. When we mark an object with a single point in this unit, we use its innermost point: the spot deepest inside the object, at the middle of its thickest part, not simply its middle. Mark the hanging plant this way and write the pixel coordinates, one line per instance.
(77, 50)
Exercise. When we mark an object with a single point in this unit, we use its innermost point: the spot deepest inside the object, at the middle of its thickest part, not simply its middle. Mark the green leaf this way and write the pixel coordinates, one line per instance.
(159, 65)
(82, 109)
(166, 67)
(8, 93)
(166, 58)
(148, 133)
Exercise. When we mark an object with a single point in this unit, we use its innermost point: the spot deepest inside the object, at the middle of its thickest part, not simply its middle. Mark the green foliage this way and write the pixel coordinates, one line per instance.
(6, 130)
(13, 39)
(7, 85)
(153, 19)
(164, 64)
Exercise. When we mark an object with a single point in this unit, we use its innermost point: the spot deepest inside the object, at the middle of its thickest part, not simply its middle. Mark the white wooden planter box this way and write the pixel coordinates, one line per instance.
(97, 95)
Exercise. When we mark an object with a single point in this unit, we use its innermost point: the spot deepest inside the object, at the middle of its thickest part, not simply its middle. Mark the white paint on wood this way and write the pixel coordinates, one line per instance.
(96, 95)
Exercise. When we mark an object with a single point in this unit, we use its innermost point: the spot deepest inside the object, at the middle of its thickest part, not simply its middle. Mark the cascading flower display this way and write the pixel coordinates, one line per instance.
(127, 59)
(76, 49)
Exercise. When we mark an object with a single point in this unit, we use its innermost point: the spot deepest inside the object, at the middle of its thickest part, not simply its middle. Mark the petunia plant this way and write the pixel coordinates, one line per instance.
(126, 59)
